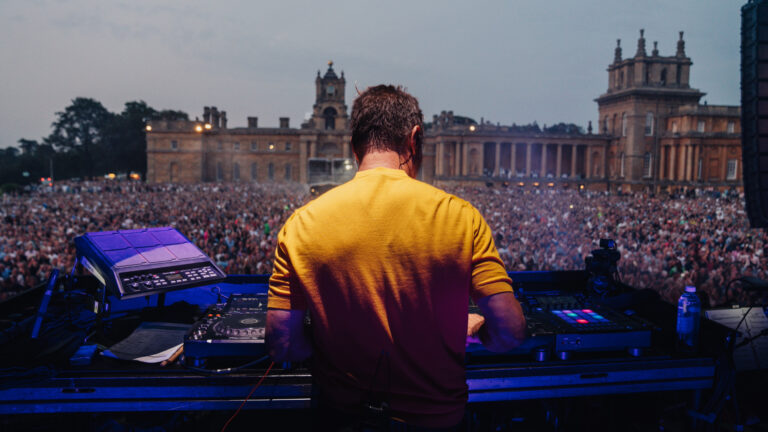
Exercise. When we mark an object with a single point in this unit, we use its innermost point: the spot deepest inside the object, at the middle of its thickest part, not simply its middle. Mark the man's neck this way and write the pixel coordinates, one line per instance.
(380, 159)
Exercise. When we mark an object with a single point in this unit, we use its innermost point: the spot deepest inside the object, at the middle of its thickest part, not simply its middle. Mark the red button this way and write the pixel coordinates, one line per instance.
(582, 321)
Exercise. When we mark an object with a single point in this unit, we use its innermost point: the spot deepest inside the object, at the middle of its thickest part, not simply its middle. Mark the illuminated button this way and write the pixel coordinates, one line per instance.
(571, 314)
(567, 311)
(557, 312)
(582, 321)
(600, 317)
(589, 311)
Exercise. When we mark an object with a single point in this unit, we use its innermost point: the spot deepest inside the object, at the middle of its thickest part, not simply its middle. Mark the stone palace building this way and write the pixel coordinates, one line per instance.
(652, 134)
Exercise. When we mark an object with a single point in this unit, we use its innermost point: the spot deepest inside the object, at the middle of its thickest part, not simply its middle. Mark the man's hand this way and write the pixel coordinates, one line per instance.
(505, 324)
(474, 323)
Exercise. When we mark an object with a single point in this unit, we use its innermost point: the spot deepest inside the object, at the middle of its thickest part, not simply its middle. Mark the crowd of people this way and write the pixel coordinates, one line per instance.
(666, 242)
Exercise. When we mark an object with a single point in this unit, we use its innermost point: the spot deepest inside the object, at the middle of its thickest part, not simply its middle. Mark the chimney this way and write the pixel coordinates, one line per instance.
(207, 114)
(223, 119)
(284, 122)
(253, 122)
(215, 117)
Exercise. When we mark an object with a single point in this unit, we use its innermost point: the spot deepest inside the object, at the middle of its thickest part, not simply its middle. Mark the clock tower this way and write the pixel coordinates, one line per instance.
(329, 111)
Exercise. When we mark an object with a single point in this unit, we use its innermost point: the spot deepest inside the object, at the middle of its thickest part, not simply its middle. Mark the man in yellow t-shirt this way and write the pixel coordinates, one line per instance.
(386, 264)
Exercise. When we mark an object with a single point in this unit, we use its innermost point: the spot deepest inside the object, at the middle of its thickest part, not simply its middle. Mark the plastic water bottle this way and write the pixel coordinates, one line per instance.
(688, 315)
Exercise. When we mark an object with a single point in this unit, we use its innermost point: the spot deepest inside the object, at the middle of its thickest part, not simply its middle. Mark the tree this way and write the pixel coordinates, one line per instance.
(172, 115)
(28, 146)
(80, 128)
(127, 138)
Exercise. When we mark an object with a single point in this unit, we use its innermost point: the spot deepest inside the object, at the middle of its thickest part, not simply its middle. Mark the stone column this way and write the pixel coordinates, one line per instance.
(543, 172)
(464, 156)
(558, 170)
(604, 170)
(497, 158)
(313, 149)
(588, 164)
(672, 175)
(695, 164)
(513, 159)
(573, 160)
(662, 161)
(527, 159)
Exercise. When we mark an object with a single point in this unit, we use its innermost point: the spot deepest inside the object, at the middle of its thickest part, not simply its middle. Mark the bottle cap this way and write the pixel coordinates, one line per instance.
(691, 289)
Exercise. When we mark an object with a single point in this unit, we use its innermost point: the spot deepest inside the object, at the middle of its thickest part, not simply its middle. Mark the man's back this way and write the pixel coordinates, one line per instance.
(386, 264)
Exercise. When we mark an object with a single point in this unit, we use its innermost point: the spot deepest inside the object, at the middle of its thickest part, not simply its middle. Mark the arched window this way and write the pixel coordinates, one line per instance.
(647, 159)
(605, 125)
(622, 159)
(254, 171)
(330, 118)
(621, 79)
(623, 124)
(236, 172)
(648, 124)
(663, 77)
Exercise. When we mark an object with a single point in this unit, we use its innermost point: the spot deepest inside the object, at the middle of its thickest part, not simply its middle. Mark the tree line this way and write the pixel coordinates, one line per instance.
(86, 140)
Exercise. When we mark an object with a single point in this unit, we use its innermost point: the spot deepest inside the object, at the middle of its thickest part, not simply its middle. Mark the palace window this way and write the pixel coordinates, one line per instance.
(174, 144)
(236, 172)
(254, 171)
(663, 77)
(220, 145)
(649, 124)
(674, 127)
(271, 171)
(605, 125)
(647, 168)
(732, 168)
(236, 146)
(330, 118)
(700, 126)
(288, 172)
(731, 127)
(254, 146)
(219, 171)
(623, 124)
(287, 146)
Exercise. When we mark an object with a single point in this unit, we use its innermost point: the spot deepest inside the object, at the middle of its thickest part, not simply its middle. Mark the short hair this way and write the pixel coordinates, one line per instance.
(383, 118)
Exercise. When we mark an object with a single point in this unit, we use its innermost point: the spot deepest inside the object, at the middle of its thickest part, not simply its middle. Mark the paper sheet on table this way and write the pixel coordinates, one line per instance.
(151, 342)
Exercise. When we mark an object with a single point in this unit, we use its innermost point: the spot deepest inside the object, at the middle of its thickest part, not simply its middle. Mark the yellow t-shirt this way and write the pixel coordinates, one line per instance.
(386, 264)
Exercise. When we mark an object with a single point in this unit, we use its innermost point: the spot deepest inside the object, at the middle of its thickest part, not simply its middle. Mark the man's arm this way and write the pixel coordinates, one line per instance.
(504, 326)
(285, 337)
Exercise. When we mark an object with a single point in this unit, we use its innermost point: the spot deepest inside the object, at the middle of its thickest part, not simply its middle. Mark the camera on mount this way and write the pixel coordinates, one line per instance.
(602, 267)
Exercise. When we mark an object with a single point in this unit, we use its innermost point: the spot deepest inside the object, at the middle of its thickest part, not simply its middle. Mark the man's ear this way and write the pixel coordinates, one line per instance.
(413, 140)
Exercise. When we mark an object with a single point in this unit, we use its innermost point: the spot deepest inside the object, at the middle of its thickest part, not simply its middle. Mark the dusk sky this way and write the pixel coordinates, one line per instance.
(507, 61)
